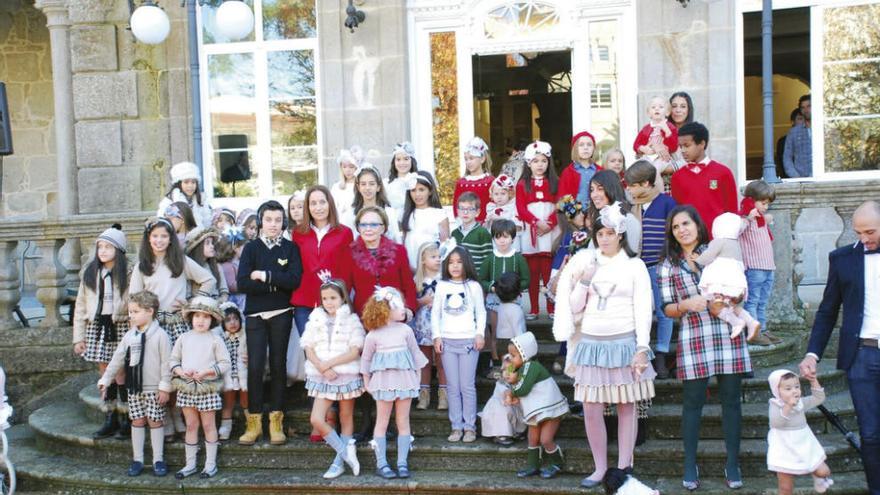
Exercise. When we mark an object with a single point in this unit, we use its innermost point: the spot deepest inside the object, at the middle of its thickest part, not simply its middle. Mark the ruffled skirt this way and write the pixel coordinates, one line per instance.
(393, 376)
(344, 387)
(603, 373)
(793, 451)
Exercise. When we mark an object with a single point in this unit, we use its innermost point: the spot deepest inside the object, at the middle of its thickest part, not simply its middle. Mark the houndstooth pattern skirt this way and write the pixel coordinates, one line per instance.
(98, 349)
(146, 404)
(202, 402)
(173, 324)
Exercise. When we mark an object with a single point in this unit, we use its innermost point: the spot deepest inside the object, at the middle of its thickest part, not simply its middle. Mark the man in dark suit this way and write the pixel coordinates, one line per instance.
(854, 283)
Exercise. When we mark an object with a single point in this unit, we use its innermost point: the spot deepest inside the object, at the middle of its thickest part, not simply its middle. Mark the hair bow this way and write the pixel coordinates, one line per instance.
(537, 148)
(504, 181)
(411, 180)
(233, 233)
(406, 148)
(476, 147)
(390, 295)
(446, 248)
(172, 210)
(299, 195)
(612, 217)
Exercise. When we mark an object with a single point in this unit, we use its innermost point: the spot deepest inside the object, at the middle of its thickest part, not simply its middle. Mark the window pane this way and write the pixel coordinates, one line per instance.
(294, 169)
(293, 123)
(232, 104)
(291, 74)
(444, 95)
(852, 144)
(605, 119)
(209, 25)
(851, 32)
(288, 19)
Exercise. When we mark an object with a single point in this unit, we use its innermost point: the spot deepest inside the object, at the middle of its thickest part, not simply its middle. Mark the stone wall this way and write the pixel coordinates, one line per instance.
(692, 49)
(29, 180)
(364, 85)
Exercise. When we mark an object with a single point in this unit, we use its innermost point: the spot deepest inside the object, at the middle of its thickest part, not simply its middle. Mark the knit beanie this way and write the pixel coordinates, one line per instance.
(115, 236)
(184, 170)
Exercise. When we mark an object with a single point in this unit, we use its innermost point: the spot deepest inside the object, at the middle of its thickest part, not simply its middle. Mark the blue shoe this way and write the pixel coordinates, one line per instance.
(160, 468)
(588, 483)
(135, 468)
(403, 471)
(386, 472)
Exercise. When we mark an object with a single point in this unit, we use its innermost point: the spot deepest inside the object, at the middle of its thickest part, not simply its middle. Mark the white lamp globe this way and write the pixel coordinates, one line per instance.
(150, 25)
(234, 20)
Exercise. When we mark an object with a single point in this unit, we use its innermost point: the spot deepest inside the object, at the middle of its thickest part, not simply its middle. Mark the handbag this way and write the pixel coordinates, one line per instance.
(192, 387)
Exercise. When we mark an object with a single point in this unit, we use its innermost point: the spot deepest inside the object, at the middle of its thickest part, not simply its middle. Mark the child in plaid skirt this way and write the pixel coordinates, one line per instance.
(198, 361)
(143, 353)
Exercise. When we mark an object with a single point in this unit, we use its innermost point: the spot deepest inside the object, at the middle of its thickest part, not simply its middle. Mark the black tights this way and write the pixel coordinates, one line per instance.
(729, 393)
(273, 333)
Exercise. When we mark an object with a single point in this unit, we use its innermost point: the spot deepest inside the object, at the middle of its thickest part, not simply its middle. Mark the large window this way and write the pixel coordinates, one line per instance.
(260, 104)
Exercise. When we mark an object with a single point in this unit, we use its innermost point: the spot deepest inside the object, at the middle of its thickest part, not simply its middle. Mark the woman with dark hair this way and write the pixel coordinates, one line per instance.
(321, 239)
(704, 348)
(681, 112)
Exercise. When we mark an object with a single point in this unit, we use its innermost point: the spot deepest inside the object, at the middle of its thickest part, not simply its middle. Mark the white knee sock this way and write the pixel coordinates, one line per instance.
(211, 455)
(138, 435)
(157, 442)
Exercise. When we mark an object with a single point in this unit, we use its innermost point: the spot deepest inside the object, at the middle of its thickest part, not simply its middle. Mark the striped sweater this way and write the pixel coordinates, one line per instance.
(477, 241)
(654, 227)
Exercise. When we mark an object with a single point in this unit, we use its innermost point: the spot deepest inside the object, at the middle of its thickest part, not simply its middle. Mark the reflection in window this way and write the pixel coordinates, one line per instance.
(444, 92)
(293, 115)
(851, 69)
(518, 19)
(289, 19)
(209, 24)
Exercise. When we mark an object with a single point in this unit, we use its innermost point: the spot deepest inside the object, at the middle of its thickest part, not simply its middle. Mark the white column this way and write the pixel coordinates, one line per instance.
(62, 79)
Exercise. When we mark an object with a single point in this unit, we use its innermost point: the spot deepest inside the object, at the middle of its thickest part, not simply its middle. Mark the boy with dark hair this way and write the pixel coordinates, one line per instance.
(269, 271)
(469, 234)
(651, 207)
(703, 183)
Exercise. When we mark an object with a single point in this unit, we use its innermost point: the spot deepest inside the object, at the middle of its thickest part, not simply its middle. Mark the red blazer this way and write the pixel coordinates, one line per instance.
(362, 272)
(570, 181)
(671, 141)
(523, 199)
(316, 257)
(479, 187)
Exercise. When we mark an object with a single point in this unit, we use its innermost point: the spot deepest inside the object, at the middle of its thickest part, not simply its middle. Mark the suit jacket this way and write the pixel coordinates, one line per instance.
(845, 287)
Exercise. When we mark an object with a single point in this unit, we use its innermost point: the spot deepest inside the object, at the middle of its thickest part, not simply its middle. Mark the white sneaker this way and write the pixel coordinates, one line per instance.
(455, 436)
(335, 471)
(821, 484)
(351, 457)
(225, 430)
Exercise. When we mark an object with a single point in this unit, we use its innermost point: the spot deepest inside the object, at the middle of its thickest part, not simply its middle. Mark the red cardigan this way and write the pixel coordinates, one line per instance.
(671, 141)
(712, 191)
(480, 187)
(523, 199)
(570, 181)
(316, 257)
(362, 272)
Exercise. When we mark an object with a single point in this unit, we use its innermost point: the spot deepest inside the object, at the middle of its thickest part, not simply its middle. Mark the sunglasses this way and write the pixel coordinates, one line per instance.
(370, 225)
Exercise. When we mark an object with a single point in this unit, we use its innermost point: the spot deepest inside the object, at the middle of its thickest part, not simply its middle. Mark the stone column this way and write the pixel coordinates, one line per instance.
(51, 283)
(10, 292)
(59, 35)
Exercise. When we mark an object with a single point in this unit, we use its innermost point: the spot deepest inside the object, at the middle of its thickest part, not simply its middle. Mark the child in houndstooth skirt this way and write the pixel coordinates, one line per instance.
(198, 361)
(235, 380)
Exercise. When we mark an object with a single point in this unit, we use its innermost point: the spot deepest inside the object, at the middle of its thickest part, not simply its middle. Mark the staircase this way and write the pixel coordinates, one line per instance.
(55, 452)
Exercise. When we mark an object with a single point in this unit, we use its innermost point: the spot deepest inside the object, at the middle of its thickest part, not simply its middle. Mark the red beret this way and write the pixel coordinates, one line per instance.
(581, 134)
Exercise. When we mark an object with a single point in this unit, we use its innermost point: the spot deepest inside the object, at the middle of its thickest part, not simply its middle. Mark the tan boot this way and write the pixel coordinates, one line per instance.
(254, 430)
(442, 402)
(424, 398)
(276, 428)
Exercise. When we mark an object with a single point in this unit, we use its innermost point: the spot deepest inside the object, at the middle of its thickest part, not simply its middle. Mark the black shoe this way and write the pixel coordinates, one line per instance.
(110, 426)
(660, 366)
(642, 434)
(124, 431)
(160, 468)
(135, 468)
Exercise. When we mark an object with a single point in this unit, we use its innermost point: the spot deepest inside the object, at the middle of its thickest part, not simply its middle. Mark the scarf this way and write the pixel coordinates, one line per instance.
(642, 199)
(233, 343)
(134, 369)
(746, 206)
(105, 322)
(377, 264)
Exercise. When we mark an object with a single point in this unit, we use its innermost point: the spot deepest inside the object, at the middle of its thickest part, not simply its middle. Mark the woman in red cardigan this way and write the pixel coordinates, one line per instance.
(321, 239)
(374, 260)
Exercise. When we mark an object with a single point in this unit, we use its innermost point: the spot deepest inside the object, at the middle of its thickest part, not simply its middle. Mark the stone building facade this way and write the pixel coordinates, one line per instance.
(98, 118)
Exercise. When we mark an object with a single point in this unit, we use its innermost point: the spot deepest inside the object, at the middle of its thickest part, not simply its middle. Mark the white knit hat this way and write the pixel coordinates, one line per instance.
(526, 345)
(184, 170)
(114, 235)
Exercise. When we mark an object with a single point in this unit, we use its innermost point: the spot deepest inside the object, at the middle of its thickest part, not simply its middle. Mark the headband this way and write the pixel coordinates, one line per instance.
(172, 210)
(152, 223)
(406, 148)
(412, 179)
(611, 217)
(476, 147)
(503, 181)
(389, 294)
(327, 279)
(537, 148)
(446, 248)
(367, 166)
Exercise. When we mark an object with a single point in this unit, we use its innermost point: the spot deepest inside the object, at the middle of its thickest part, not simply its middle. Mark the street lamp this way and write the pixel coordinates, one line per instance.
(150, 25)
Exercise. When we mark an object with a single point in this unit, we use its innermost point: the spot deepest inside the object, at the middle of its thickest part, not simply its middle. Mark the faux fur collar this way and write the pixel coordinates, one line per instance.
(384, 260)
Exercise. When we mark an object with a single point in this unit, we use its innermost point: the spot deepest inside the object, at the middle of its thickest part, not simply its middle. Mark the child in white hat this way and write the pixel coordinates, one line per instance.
(185, 179)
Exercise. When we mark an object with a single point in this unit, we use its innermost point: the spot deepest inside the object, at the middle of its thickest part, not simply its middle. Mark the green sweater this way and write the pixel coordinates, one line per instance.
(532, 372)
(494, 266)
(478, 243)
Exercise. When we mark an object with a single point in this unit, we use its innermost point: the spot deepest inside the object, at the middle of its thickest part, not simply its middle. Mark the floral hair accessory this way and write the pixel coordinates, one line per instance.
(537, 148)
(611, 216)
(390, 295)
(353, 155)
(569, 206)
(406, 148)
(233, 234)
(172, 211)
(412, 179)
(504, 181)
(476, 147)
(446, 248)
(299, 195)
(579, 240)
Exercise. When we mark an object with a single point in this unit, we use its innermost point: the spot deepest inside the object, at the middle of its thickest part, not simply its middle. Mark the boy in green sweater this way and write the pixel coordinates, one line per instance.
(471, 235)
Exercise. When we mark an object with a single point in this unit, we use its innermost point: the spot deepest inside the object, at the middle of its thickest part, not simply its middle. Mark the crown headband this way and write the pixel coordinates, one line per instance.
(367, 166)
(611, 217)
(390, 295)
(156, 221)
(569, 206)
(327, 279)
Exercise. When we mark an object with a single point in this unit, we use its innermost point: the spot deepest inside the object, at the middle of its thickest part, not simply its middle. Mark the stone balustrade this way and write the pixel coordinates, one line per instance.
(59, 242)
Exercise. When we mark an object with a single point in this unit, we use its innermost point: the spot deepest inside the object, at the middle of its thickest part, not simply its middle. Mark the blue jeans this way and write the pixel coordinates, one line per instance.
(864, 386)
(664, 323)
(300, 317)
(760, 287)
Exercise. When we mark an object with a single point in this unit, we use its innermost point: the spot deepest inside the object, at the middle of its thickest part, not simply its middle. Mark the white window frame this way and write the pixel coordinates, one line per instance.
(464, 18)
(262, 154)
(817, 85)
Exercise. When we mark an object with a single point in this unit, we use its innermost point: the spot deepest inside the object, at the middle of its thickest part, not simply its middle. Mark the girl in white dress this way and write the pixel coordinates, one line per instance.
(424, 219)
(343, 190)
(403, 162)
(792, 448)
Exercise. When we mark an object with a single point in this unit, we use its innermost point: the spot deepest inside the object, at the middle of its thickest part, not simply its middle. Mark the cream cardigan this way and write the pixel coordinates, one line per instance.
(330, 341)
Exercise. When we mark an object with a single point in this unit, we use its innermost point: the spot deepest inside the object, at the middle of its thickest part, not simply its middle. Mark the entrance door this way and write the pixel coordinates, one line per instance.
(523, 97)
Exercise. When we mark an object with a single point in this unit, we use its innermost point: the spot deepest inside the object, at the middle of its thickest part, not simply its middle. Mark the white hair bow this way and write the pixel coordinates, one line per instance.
(389, 294)
(411, 180)
(299, 195)
(503, 181)
(476, 147)
(367, 166)
(446, 248)
(612, 217)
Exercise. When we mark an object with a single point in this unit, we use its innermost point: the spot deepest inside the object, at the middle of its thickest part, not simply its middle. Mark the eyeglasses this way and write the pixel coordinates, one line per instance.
(372, 225)
(467, 209)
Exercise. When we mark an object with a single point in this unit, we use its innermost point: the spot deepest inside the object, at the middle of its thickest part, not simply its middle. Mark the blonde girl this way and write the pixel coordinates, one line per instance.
(427, 275)
(615, 161)
(477, 177)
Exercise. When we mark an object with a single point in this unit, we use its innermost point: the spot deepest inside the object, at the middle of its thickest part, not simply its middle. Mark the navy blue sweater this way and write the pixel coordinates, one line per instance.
(283, 268)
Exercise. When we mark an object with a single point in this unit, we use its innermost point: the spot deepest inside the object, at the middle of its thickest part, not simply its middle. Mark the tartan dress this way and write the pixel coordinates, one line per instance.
(705, 348)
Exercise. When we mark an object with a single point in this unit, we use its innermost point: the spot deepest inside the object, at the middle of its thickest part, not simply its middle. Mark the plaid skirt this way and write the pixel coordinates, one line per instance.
(173, 324)
(146, 404)
(99, 346)
(202, 402)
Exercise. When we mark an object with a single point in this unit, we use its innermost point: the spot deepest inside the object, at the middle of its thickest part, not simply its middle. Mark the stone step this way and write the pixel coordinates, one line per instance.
(41, 471)
(63, 429)
(664, 421)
